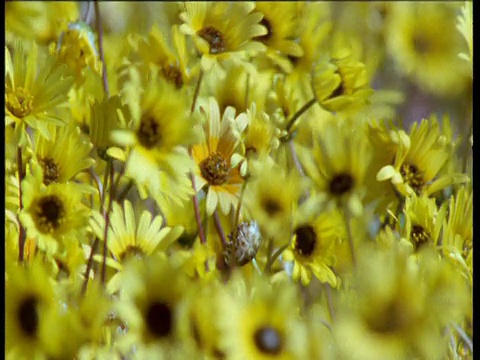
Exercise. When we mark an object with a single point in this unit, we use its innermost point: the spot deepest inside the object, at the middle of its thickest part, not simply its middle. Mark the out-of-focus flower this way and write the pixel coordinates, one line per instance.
(423, 41)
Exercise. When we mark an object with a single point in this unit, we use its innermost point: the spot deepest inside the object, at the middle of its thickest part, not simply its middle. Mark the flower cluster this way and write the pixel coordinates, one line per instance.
(238, 180)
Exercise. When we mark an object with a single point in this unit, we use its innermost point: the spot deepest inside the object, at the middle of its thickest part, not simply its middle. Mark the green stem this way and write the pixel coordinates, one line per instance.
(98, 25)
(107, 219)
(350, 236)
(274, 257)
(21, 233)
(295, 117)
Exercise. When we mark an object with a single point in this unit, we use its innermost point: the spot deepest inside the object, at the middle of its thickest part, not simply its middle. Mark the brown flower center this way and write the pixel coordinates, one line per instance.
(419, 236)
(28, 316)
(271, 206)
(131, 251)
(214, 38)
(149, 132)
(341, 183)
(20, 102)
(306, 240)
(268, 340)
(421, 44)
(390, 318)
(159, 319)
(50, 170)
(215, 169)
(173, 75)
(413, 177)
(49, 213)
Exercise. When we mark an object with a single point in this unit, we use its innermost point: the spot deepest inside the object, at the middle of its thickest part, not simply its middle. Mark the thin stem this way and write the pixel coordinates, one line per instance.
(107, 222)
(97, 182)
(125, 191)
(328, 293)
(197, 91)
(274, 257)
(105, 184)
(21, 234)
(219, 228)
(235, 228)
(87, 17)
(350, 236)
(295, 117)
(98, 25)
(247, 90)
(196, 206)
(89, 265)
(196, 209)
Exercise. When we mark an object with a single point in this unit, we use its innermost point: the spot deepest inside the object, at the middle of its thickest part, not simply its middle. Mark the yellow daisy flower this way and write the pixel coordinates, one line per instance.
(418, 160)
(222, 30)
(33, 92)
(424, 43)
(202, 315)
(151, 300)
(423, 221)
(264, 325)
(213, 156)
(281, 23)
(237, 87)
(271, 198)
(399, 308)
(314, 28)
(38, 20)
(77, 48)
(160, 130)
(29, 295)
(171, 56)
(63, 156)
(53, 213)
(338, 164)
(341, 83)
(313, 245)
(457, 234)
(129, 237)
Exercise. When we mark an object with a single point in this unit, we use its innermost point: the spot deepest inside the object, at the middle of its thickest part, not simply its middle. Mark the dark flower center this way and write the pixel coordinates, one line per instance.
(413, 177)
(149, 132)
(215, 169)
(159, 319)
(131, 251)
(214, 38)
(421, 44)
(173, 75)
(306, 240)
(50, 212)
(340, 90)
(268, 35)
(340, 184)
(50, 170)
(28, 317)
(272, 207)
(419, 236)
(388, 319)
(268, 340)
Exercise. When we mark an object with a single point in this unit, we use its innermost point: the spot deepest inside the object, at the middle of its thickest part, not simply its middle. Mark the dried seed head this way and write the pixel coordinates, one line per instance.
(246, 243)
